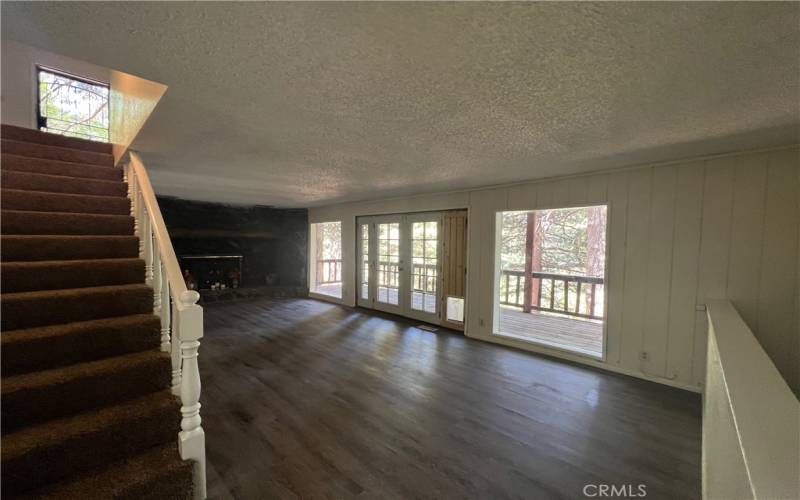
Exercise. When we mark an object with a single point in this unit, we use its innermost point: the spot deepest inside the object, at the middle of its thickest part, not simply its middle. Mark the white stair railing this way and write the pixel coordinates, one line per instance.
(181, 324)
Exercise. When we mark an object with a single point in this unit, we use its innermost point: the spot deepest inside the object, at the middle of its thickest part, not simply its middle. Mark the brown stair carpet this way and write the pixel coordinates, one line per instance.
(67, 247)
(31, 181)
(86, 407)
(62, 223)
(47, 151)
(42, 201)
(63, 168)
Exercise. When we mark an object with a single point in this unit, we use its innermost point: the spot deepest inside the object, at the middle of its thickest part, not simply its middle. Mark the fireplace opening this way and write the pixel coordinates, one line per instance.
(212, 272)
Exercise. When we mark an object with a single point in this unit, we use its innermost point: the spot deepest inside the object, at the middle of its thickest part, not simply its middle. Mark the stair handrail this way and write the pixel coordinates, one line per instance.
(182, 323)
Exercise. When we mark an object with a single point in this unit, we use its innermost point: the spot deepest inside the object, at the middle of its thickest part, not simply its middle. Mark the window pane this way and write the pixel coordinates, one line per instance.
(328, 251)
(431, 230)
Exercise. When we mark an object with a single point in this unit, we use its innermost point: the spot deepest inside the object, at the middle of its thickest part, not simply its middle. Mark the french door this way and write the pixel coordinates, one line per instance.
(399, 264)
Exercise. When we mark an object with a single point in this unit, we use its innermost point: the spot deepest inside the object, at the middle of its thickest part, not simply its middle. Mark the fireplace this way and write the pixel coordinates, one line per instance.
(211, 272)
(239, 252)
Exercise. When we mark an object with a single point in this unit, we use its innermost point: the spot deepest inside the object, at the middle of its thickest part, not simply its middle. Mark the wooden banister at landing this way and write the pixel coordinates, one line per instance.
(540, 291)
(751, 439)
(181, 317)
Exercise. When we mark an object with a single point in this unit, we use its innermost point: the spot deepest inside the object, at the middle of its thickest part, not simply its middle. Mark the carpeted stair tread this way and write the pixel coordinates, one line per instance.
(57, 167)
(32, 181)
(67, 247)
(53, 346)
(53, 451)
(58, 223)
(43, 201)
(48, 394)
(36, 150)
(51, 307)
(39, 137)
(59, 274)
(158, 473)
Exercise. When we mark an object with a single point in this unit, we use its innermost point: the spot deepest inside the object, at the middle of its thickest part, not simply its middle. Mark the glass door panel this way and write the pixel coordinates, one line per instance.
(388, 263)
(364, 265)
(424, 292)
(399, 264)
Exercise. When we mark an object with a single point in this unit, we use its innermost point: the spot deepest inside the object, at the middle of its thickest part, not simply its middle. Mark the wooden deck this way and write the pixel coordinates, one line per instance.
(332, 289)
(572, 334)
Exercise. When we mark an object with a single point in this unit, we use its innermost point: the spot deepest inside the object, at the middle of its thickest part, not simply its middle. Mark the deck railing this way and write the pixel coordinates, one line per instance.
(561, 293)
(751, 443)
(181, 317)
(329, 271)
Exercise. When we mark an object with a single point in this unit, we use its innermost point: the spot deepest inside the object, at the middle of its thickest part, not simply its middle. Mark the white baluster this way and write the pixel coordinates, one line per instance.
(147, 250)
(165, 315)
(157, 282)
(140, 222)
(133, 195)
(192, 437)
(175, 351)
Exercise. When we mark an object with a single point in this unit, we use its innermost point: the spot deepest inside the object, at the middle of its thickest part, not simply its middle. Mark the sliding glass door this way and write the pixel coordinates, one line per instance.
(399, 263)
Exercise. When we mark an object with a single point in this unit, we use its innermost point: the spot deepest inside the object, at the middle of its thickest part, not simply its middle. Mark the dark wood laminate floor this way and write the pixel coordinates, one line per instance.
(305, 399)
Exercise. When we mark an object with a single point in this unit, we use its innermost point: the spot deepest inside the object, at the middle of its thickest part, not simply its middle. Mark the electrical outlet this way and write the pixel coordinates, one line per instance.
(643, 355)
(481, 322)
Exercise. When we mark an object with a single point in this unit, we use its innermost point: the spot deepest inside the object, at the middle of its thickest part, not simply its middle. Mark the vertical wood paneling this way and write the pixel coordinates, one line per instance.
(714, 249)
(747, 224)
(522, 197)
(454, 263)
(597, 190)
(475, 291)
(560, 193)
(544, 195)
(685, 255)
(659, 270)
(578, 189)
(636, 251)
(461, 253)
(777, 329)
(617, 232)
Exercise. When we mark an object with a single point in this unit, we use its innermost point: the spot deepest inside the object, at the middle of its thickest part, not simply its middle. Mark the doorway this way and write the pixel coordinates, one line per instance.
(400, 265)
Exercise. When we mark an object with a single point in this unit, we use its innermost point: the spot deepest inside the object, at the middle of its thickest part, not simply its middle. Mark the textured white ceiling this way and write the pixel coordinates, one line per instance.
(304, 104)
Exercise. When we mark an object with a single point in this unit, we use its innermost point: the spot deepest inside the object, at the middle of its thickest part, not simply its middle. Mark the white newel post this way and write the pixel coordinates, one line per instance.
(192, 438)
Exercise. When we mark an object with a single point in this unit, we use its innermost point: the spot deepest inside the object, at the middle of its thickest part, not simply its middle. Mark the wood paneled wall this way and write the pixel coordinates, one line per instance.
(725, 227)
(454, 263)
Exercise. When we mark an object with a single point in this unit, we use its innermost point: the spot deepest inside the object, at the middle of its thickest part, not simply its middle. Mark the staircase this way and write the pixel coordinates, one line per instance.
(87, 410)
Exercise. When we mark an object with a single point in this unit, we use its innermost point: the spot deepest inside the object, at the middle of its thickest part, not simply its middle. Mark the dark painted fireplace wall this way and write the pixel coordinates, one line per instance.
(273, 242)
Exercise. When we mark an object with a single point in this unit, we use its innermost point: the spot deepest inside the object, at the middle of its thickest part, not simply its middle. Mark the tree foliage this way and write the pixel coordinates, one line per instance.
(572, 240)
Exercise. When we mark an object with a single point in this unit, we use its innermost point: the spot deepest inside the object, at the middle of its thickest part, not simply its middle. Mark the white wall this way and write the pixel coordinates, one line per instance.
(131, 101)
(751, 443)
(724, 227)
